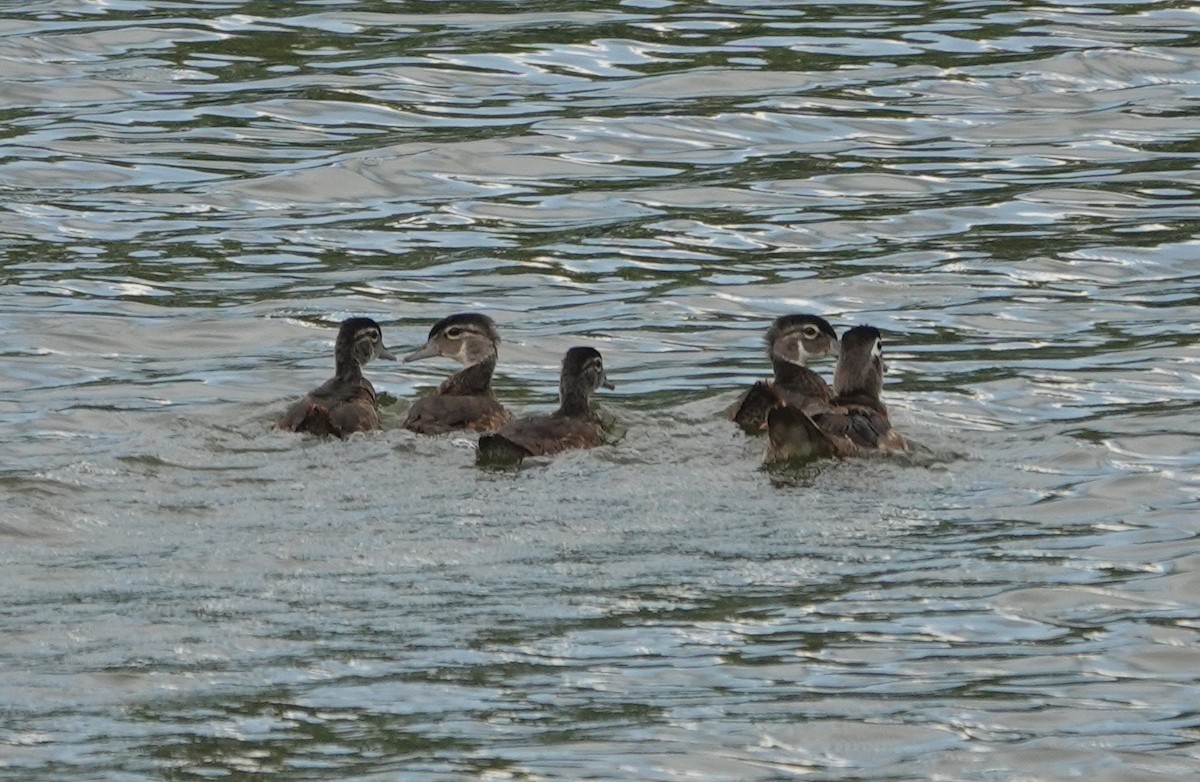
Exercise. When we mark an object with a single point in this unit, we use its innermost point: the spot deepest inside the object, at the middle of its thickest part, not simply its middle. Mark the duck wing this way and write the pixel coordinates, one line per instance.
(442, 413)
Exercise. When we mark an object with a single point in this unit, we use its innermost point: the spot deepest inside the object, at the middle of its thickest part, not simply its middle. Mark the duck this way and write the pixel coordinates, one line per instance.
(345, 403)
(854, 422)
(792, 340)
(465, 400)
(572, 425)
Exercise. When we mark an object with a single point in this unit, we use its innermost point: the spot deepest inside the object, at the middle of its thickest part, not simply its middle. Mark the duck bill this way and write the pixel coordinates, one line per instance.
(383, 352)
(606, 383)
(428, 350)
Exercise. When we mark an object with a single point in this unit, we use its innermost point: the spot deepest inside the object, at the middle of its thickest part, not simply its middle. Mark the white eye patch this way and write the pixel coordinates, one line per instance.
(877, 355)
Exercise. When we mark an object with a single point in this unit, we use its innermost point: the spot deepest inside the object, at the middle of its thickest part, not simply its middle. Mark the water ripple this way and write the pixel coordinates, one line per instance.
(196, 193)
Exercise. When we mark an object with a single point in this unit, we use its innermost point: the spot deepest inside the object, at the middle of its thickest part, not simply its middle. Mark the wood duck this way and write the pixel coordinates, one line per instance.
(791, 341)
(853, 422)
(464, 400)
(572, 425)
(345, 403)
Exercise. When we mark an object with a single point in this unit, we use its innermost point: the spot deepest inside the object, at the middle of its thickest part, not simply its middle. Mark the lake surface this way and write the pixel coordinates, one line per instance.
(193, 195)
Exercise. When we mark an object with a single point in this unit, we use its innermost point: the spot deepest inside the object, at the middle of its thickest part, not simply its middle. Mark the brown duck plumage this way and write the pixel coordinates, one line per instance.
(464, 400)
(345, 403)
(791, 341)
(853, 422)
(572, 425)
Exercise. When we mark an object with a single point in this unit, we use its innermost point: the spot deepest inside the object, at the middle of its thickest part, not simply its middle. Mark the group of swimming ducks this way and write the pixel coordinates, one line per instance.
(802, 416)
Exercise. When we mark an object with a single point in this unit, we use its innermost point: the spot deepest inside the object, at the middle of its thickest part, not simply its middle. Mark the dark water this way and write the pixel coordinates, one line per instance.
(194, 194)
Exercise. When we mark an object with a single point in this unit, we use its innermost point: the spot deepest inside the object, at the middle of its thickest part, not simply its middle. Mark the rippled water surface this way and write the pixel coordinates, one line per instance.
(195, 193)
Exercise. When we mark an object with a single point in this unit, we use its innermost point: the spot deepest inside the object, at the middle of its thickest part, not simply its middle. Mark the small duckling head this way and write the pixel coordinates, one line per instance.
(797, 338)
(860, 366)
(582, 371)
(467, 337)
(359, 340)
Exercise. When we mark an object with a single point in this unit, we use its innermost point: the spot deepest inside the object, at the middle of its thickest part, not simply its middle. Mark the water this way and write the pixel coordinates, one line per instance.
(194, 194)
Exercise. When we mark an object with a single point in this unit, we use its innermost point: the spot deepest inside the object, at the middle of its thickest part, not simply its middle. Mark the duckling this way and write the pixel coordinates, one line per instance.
(791, 341)
(464, 400)
(573, 425)
(853, 422)
(345, 403)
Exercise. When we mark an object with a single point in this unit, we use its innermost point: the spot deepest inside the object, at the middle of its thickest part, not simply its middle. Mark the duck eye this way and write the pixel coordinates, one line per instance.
(811, 332)
(454, 332)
